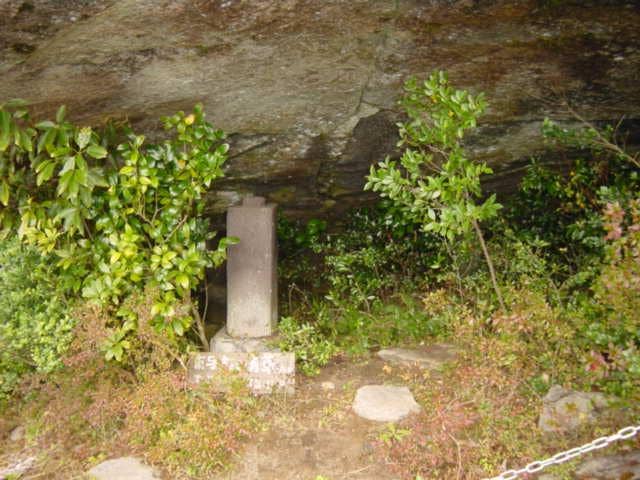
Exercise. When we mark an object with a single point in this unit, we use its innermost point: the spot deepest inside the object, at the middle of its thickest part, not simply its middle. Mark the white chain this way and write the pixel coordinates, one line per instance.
(558, 458)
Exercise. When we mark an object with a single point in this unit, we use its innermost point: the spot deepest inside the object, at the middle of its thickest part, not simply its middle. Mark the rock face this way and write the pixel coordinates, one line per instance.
(431, 357)
(307, 90)
(125, 468)
(384, 403)
(565, 410)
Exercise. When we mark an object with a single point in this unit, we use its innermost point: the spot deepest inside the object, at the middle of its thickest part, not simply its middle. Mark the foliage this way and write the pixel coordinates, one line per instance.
(482, 411)
(35, 324)
(436, 184)
(311, 348)
(613, 319)
(602, 141)
(378, 252)
(115, 218)
(297, 266)
(362, 270)
(94, 408)
(400, 319)
(365, 259)
(564, 211)
(588, 254)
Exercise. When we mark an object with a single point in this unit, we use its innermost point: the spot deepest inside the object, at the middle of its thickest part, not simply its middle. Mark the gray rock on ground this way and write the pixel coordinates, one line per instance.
(611, 467)
(384, 403)
(17, 468)
(17, 434)
(124, 468)
(431, 357)
(565, 410)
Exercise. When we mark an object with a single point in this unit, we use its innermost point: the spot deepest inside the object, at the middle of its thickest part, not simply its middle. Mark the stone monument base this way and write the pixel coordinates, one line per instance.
(222, 342)
(265, 368)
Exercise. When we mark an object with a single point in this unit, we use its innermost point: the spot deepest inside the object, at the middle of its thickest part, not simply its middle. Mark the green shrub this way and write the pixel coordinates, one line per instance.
(116, 218)
(564, 209)
(35, 325)
(399, 319)
(371, 255)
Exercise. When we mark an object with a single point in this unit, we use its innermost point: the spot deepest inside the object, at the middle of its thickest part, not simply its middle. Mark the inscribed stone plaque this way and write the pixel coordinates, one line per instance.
(263, 371)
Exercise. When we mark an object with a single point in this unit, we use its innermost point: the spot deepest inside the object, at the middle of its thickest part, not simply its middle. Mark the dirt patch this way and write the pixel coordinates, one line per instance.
(315, 433)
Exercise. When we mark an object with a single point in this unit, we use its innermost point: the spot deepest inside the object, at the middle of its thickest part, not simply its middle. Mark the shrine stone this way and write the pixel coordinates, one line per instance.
(246, 344)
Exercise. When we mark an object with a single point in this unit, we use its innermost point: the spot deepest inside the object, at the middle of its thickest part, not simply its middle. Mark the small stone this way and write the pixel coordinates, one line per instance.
(565, 410)
(328, 386)
(431, 357)
(17, 434)
(17, 468)
(611, 467)
(384, 403)
(124, 468)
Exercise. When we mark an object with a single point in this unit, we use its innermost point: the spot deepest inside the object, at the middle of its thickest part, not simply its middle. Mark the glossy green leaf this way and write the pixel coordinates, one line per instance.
(44, 125)
(4, 193)
(61, 113)
(45, 171)
(183, 281)
(5, 130)
(96, 151)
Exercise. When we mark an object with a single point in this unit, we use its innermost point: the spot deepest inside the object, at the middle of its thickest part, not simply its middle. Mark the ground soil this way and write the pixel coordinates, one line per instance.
(315, 433)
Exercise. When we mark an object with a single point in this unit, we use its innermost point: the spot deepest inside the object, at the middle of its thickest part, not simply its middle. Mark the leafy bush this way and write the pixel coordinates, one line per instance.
(400, 319)
(377, 253)
(565, 211)
(312, 349)
(115, 218)
(371, 255)
(35, 325)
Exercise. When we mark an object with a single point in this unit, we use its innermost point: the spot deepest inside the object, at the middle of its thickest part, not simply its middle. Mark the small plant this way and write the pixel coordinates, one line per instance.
(435, 183)
(392, 434)
(311, 348)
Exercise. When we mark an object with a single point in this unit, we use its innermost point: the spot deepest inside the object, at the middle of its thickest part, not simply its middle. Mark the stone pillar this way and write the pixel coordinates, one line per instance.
(252, 283)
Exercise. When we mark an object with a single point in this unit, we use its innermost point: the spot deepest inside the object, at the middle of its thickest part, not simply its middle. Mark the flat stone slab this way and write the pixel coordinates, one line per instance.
(430, 357)
(124, 468)
(263, 371)
(384, 403)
